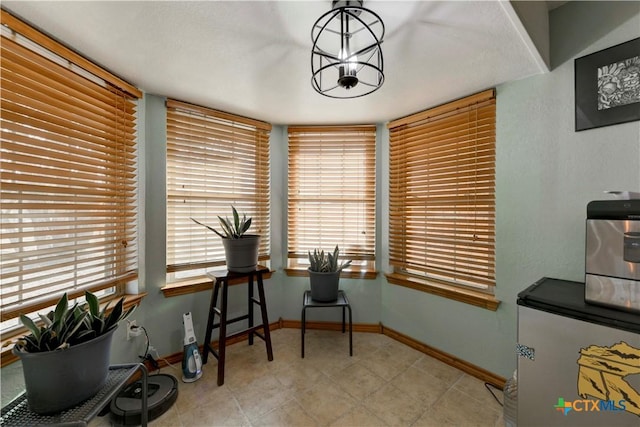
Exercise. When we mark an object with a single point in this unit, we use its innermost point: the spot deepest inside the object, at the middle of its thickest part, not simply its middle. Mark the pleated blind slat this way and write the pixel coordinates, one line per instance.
(68, 174)
(214, 160)
(332, 192)
(442, 193)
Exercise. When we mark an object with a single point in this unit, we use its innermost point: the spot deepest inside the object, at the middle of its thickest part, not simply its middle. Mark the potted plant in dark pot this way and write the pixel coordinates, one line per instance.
(65, 358)
(240, 249)
(324, 274)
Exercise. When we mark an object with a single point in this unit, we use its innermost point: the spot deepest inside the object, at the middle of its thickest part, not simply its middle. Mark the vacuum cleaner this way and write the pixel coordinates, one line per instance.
(191, 361)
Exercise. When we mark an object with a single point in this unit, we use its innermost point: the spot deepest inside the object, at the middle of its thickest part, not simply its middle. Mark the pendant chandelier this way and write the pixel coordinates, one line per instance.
(346, 59)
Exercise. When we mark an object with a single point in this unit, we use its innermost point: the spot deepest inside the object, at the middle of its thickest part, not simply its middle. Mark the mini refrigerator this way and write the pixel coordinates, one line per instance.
(578, 364)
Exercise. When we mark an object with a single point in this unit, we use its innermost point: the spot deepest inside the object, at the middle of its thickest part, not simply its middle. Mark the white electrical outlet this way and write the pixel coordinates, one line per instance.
(133, 330)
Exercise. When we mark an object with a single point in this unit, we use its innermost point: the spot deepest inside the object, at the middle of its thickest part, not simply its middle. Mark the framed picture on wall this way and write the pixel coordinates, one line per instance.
(607, 86)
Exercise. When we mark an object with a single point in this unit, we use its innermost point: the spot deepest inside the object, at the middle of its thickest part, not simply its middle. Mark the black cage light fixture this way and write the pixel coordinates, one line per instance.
(346, 59)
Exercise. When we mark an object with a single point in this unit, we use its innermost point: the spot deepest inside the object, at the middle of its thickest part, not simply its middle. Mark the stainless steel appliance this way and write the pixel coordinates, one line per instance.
(578, 363)
(613, 254)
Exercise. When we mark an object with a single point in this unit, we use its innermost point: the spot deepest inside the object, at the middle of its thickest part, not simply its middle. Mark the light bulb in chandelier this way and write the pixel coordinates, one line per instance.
(347, 76)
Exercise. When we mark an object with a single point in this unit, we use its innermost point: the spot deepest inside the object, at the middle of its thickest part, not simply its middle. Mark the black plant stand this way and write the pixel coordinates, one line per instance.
(221, 280)
(342, 301)
(18, 414)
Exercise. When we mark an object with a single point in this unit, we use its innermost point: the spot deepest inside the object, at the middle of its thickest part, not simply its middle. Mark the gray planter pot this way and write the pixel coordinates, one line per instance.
(60, 379)
(242, 254)
(324, 285)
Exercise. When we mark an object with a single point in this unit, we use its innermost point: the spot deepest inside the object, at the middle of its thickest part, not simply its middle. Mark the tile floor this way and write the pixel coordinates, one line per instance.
(385, 383)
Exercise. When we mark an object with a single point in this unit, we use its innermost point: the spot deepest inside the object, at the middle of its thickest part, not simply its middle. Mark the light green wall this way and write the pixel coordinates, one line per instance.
(545, 175)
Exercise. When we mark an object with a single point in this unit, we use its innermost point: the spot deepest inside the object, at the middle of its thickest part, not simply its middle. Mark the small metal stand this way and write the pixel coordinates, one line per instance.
(342, 301)
(18, 414)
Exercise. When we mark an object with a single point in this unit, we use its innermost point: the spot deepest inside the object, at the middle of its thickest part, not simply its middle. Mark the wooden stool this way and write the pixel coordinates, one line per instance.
(342, 301)
(221, 279)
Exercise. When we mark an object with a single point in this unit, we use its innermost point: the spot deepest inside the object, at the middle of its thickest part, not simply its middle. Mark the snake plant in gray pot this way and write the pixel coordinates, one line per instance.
(240, 248)
(65, 357)
(324, 274)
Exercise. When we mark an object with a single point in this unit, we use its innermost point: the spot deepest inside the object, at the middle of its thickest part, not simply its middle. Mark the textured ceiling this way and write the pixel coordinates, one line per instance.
(253, 58)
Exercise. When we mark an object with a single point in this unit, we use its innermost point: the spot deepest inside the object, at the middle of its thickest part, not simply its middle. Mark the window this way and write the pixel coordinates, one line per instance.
(332, 196)
(214, 160)
(68, 175)
(442, 198)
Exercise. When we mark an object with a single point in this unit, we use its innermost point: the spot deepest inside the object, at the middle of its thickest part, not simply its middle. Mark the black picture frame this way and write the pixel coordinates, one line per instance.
(607, 86)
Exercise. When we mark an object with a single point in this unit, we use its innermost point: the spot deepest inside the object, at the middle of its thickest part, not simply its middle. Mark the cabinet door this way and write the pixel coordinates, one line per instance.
(575, 373)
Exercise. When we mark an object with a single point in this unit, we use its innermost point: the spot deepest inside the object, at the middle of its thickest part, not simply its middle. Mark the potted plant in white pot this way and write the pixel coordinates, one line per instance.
(324, 274)
(240, 249)
(65, 359)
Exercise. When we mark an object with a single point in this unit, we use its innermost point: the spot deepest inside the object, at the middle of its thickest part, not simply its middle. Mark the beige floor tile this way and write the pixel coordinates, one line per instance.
(200, 392)
(238, 375)
(298, 376)
(384, 363)
(325, 402)
(476, 389)
(358, 381)
(394, 407)
(358, 416)
(438, 369)
(420, 385)
(455, 408)
(289, 414)
(214, 415)
(261, 396)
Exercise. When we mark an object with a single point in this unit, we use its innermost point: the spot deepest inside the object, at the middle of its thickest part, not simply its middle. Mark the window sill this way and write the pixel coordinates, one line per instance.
(197, 284)
(362, 274)
(467, 296)
(7, 357)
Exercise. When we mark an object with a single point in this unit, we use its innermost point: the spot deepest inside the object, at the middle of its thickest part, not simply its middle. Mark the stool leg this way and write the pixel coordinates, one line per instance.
(265, 318)
(222, 339)
(210, 322)
(304, 322)
(250, 305)
(343, 319)
(350, 332)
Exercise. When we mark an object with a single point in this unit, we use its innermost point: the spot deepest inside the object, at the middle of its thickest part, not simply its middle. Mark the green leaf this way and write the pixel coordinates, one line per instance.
(94, 305)
(236, 219)
(85, 335)
(71, 329)
(29, 324)
(45, 320)
(128, 312)
(114, 316)
(98, 325)
(245, 227)
(207, 226)
(226, 227)
(61, 308)
(103, 313)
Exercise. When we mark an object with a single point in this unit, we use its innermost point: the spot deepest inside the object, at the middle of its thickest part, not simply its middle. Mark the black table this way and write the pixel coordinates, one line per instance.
(18, 414)
(342, 301)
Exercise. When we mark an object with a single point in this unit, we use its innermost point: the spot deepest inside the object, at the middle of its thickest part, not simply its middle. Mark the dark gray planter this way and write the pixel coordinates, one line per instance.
(60, 379)
(242, 254)
(324, 285)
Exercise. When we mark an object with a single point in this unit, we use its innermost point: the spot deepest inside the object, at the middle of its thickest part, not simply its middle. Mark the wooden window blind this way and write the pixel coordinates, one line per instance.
(214, 160)
(332, 194)
(442, 193)
(67, 171)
